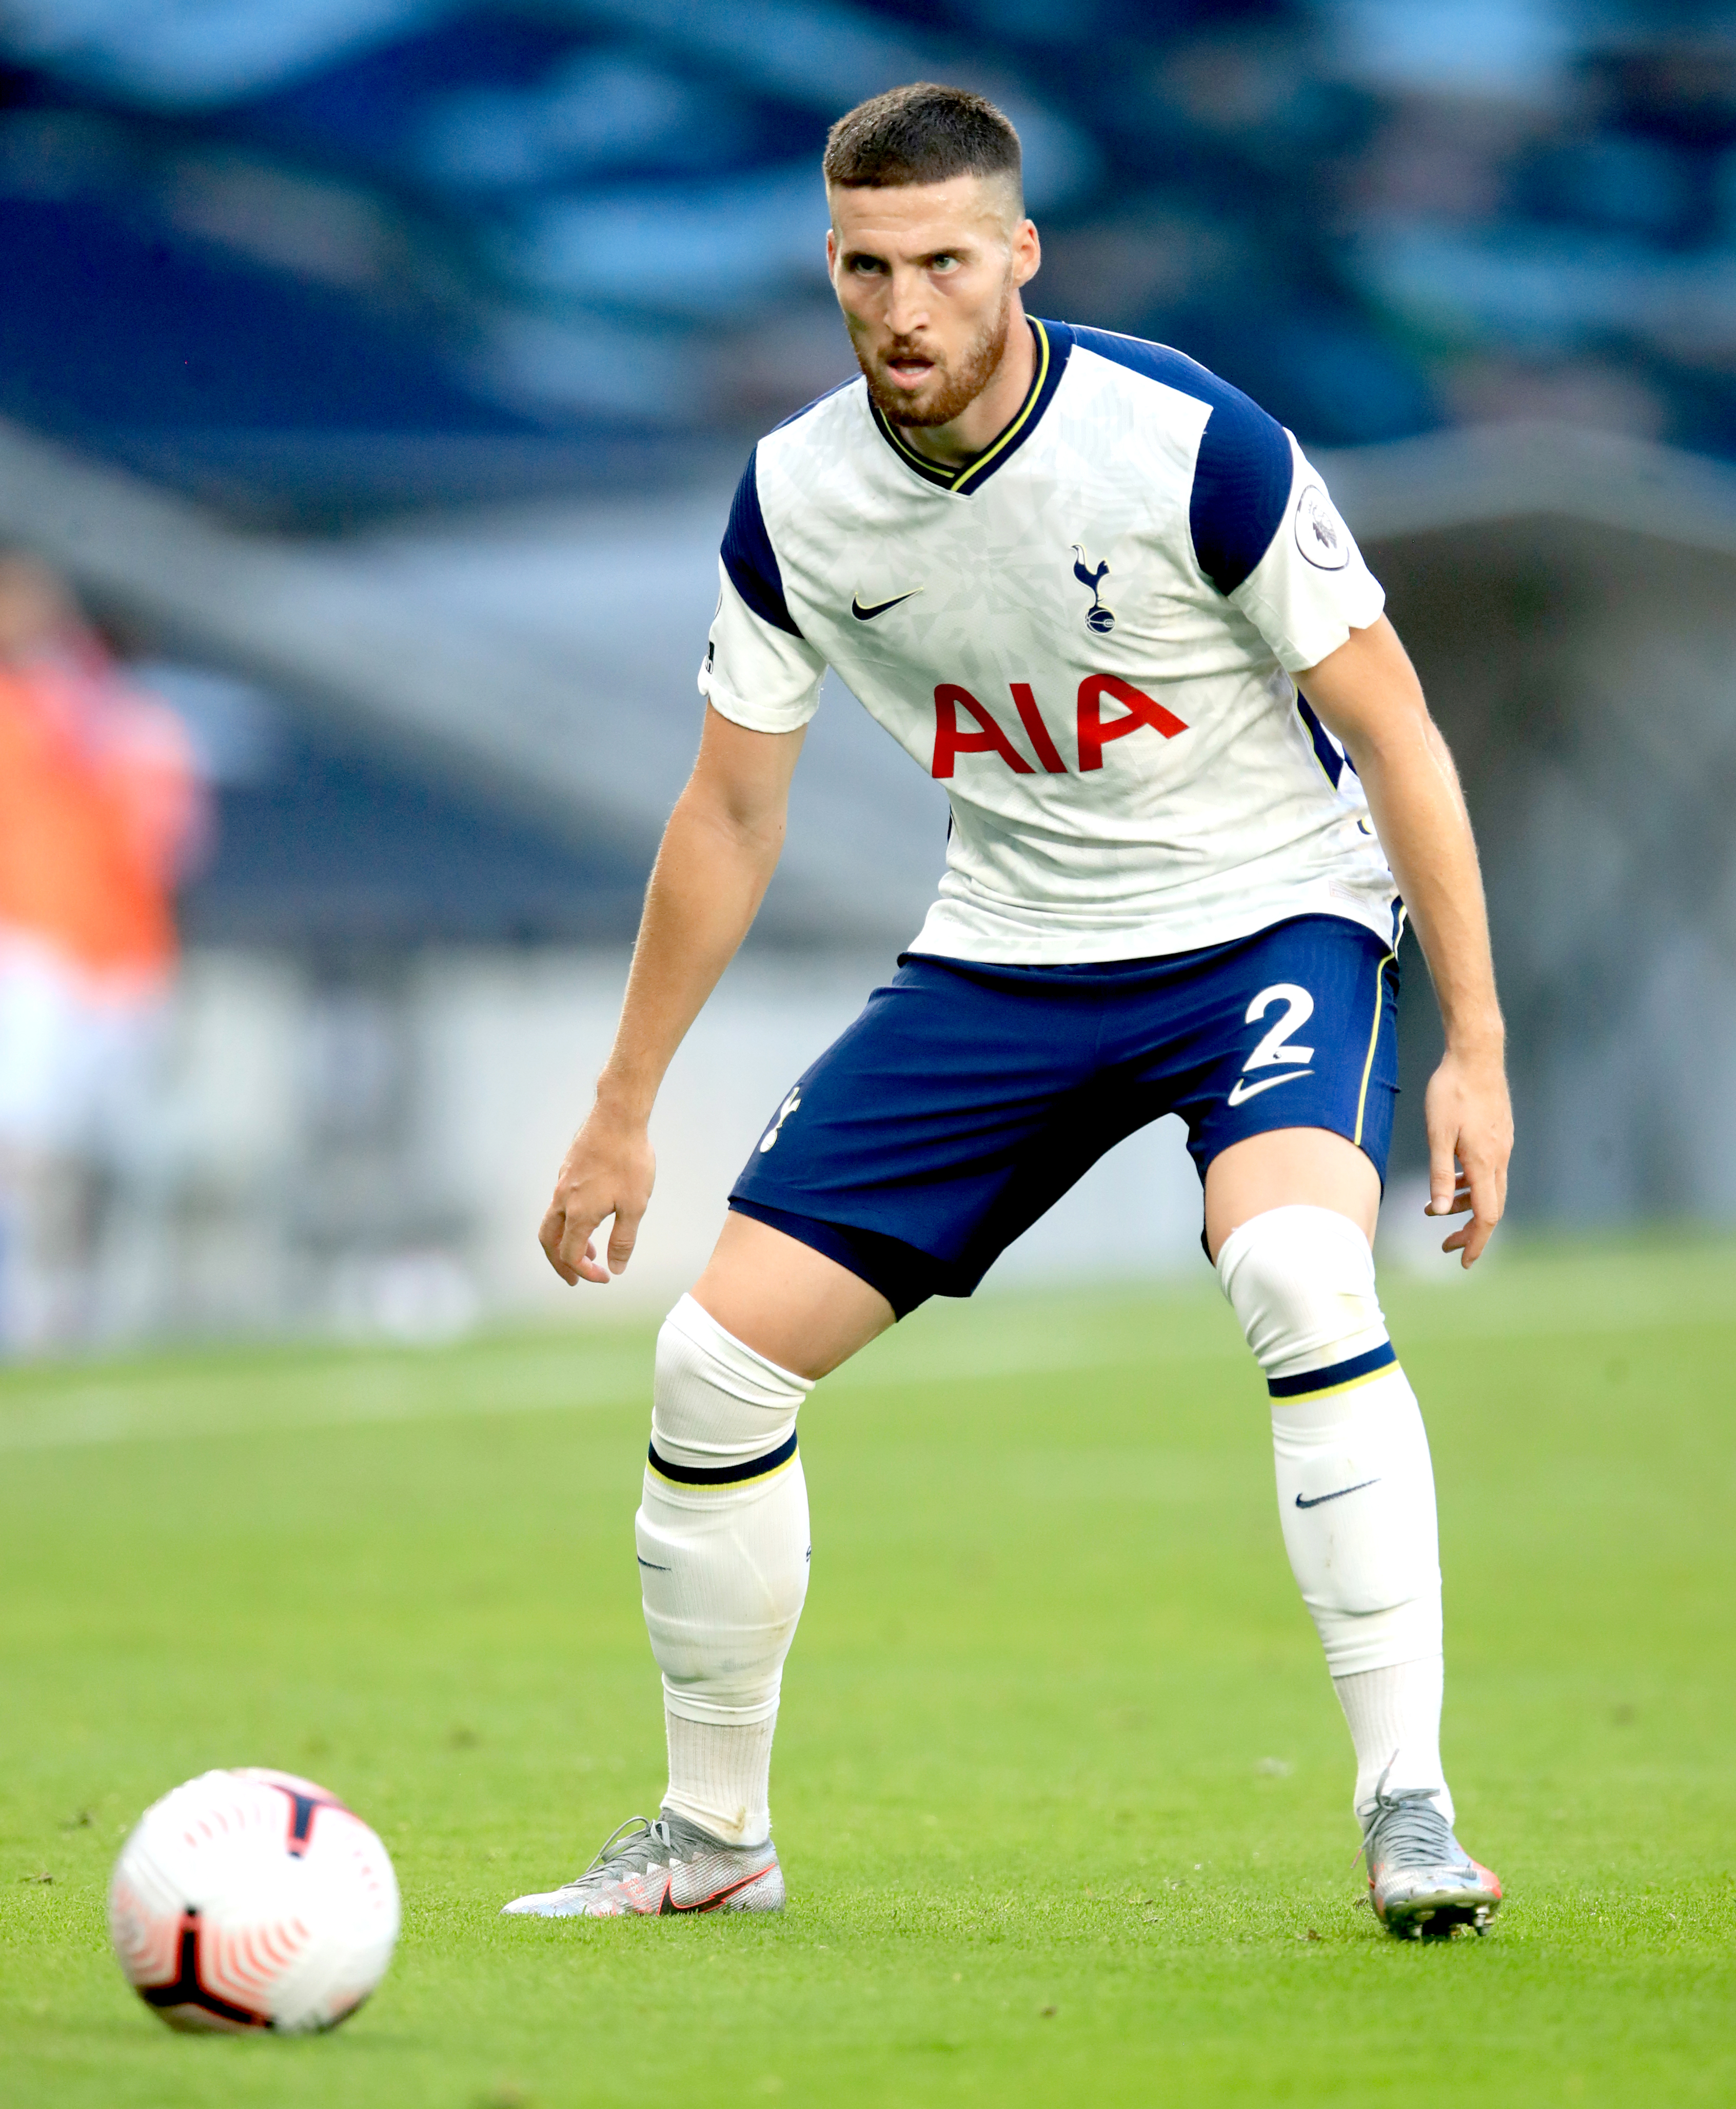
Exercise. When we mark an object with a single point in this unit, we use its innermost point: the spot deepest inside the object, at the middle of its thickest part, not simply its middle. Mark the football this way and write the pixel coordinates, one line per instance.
(252, 1899)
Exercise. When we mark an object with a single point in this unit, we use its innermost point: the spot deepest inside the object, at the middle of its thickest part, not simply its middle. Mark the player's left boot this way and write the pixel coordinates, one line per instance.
(1423, 1884)
(648, 1869)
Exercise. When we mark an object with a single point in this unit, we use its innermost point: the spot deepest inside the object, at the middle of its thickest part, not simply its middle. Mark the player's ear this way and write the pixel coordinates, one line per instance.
(1027, 253)
(831, 250)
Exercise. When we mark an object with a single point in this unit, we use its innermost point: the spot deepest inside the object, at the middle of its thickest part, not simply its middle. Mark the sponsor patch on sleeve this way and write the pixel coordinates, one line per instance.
(1321, 535)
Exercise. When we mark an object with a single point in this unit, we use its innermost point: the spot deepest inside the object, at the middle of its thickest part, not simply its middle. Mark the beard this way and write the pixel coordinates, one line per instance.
(954, 388)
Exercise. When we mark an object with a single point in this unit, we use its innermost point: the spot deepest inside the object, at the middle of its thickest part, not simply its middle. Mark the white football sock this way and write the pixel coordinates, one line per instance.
(722, 1534)
(1356, 1500)
(1355, 1486)
(720, 1777)
(1394, 1720)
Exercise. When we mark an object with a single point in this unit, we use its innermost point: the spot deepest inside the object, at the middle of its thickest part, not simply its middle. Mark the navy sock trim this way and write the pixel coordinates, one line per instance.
(1334, 1373)
(693, 1476)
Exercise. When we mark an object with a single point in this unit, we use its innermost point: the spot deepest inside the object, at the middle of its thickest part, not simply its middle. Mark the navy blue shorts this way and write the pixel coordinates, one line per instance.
(966, 1100)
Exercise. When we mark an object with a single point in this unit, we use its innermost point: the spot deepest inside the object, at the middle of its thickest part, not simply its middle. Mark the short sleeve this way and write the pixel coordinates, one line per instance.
(759, 670)
(1310, 588)
(755, 673)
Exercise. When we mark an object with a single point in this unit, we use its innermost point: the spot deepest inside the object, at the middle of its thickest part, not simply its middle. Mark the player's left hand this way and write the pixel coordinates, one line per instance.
(1469, 1121)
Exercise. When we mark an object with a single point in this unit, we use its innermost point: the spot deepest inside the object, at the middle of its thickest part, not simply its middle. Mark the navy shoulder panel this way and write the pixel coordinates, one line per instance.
(1243, 472)
(748, 556)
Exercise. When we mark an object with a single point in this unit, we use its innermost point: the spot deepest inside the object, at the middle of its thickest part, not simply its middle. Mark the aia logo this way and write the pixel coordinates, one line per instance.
(1097, 617)
(1094, 730)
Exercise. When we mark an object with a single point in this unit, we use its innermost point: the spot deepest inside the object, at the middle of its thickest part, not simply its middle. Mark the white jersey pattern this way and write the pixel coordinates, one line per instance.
(1088, 634)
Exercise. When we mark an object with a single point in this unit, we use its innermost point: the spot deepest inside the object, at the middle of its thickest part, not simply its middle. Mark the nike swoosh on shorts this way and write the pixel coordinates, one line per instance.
(879, 608)
(1241, 1090)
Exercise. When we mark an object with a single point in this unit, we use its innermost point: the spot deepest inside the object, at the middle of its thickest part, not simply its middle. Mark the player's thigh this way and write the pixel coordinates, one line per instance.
(787, 1302)
(1283, 1168)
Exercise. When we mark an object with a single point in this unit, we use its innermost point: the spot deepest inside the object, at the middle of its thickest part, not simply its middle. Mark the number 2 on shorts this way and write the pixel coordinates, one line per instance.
(1299, 1007)
(1274, 1050)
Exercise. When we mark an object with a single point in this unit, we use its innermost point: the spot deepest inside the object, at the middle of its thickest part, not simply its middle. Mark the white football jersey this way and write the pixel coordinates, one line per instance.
(1089, 636)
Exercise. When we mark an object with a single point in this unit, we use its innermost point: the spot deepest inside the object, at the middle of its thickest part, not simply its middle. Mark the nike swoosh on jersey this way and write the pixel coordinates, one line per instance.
(879, 608)
(1241, 1090)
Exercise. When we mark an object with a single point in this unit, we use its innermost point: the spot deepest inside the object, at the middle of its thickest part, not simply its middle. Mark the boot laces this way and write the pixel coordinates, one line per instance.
(1406, 1827)
(639, 1842)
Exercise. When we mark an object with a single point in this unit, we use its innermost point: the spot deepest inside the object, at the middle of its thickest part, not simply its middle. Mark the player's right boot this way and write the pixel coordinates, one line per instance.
(653, 1869)
(1423, 1883)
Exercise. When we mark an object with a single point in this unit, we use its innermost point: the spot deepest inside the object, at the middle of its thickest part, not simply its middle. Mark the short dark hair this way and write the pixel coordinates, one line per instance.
(923, 134)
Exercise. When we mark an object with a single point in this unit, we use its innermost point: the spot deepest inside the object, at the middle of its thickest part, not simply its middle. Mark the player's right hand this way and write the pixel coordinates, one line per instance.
(608, 1170)
(1469, 1117)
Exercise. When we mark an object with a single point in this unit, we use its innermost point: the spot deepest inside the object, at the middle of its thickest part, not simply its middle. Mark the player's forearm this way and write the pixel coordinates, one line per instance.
(710, 874)
(1419, 814)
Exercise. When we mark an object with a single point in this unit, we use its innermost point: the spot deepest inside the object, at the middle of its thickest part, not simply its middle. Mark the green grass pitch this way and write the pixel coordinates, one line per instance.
(1060, 1785)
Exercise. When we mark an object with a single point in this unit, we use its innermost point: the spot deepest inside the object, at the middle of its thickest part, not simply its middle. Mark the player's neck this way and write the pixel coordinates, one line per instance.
(982, 422)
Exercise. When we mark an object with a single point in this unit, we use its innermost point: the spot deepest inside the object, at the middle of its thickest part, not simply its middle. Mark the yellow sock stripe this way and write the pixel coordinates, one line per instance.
(749, 1479)
(1332, 1391)
(749, 1473)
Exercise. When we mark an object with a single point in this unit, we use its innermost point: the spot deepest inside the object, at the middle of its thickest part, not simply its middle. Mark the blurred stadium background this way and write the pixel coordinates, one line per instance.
(376, 372)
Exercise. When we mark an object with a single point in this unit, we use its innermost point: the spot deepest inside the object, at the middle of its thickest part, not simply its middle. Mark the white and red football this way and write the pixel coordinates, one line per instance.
(253, 1899)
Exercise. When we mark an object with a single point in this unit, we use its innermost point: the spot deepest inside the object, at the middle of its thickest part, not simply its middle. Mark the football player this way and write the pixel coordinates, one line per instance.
(1196, 794)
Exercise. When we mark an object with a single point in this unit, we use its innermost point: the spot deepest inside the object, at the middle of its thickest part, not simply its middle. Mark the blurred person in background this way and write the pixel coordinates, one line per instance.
(101, 807)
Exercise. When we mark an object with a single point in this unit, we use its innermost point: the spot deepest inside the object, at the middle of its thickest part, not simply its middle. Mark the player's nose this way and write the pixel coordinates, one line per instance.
(906, 310)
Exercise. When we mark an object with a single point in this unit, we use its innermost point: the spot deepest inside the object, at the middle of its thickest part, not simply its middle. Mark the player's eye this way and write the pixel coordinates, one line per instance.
(945, 261)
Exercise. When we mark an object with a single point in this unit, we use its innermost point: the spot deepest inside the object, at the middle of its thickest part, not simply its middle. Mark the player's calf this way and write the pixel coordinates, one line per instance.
(722, 1535)
(723, 1553)
(1356, 1501)
(1355, 1486)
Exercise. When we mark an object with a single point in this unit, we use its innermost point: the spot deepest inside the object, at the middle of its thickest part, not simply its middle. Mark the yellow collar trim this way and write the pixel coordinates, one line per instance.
(1033, 397)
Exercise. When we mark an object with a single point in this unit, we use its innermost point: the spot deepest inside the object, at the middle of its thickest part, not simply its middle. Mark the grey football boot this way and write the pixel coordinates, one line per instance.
(1423, 1883)
(655, 1869)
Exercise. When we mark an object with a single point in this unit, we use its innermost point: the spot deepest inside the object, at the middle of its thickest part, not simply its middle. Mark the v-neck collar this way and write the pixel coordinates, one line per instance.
(1054, 345)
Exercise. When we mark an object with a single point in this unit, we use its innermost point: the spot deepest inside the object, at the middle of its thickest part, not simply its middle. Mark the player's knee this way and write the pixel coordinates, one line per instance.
(1300, 1279)
(718, 1407)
